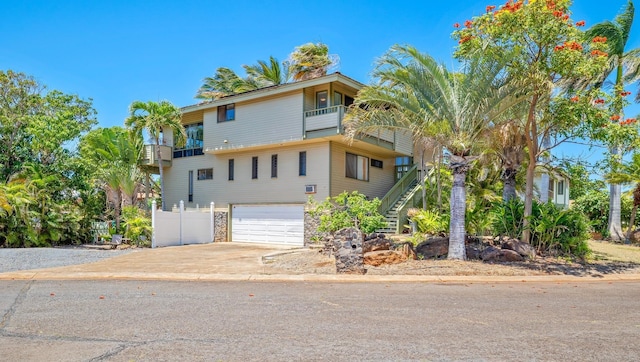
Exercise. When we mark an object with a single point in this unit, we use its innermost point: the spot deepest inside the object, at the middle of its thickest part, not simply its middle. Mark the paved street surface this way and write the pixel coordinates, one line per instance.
(298, 321)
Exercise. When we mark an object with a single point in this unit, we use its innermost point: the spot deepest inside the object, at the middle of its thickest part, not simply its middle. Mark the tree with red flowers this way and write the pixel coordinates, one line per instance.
(545, 51)
(625, 66)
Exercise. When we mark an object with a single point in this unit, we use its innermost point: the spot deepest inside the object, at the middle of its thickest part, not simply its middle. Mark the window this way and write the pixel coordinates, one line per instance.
(231, 169)
(274, 166)
(348, 101)
(302, 163)
(194, 142)
(322, 99)
(190, 186)
(403, 164)
(561, 187)
(376, 163)
(337, 98)
(357, 167)
(205, 174)
(254, 167)
(551, 189)
(226, 113)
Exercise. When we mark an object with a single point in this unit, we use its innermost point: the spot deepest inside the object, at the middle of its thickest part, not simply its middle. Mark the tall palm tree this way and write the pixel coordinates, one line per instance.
(508, 143)
(223, 83)
(626, 65)
(268, 74)
(310, 61)
(629, 174)
(156, 118)
(416, 93)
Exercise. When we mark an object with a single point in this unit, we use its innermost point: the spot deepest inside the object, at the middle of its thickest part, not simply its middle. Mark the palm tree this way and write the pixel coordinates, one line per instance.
(416, 93)
(310, 61)
(156, 118)
(626, 65)
(268, 74)
(116, 154)
(629, 174)
(223, 83)
(508, 143)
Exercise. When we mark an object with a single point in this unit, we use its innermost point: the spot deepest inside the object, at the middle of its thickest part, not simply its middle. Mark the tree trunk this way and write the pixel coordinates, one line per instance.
(615, 192)
(146, 192)
(160, 167)
(528, 201)
(458, 202)
(423, 174)
(509, 184)
(632, 221)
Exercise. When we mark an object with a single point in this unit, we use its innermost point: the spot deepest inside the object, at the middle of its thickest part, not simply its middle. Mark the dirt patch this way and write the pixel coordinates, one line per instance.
(608, 258)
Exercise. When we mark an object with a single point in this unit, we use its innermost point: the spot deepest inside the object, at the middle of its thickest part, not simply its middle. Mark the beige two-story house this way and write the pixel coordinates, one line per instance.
(260, 155)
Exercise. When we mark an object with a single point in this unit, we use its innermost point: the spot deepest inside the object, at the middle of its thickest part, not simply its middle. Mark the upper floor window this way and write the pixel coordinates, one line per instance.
(337, 98)
(226, 113)
(231, 169)
(274, 166)
(322, 99)
(194, 142)
(357, 167)
(205, 174)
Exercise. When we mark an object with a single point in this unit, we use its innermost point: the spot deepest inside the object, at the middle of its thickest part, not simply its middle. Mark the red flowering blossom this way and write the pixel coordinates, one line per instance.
(615, 117)
(465, 39)
(558, 13)
(581, 23)
(551, 4)
(624, 94)
(573, 45)
(456, 25)
(598, 53)
(558, 48)
(490, 8)
(599, 101)
(468, 23)
(565, 17)
(575, 99)
(599, 39)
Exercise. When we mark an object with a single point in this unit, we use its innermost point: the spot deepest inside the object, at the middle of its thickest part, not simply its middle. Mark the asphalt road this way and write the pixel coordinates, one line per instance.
(297, 321)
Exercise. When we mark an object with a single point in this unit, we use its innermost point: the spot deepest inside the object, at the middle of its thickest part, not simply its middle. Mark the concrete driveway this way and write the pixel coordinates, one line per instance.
(176, 262)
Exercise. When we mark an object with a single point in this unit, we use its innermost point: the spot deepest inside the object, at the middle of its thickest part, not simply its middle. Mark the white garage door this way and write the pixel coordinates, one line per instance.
(273, 224)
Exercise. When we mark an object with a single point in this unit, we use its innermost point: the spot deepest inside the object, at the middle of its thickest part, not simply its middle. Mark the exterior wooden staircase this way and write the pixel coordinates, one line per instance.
(402, 196)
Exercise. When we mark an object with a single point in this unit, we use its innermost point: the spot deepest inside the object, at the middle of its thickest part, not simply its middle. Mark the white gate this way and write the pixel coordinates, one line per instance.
(182, 227)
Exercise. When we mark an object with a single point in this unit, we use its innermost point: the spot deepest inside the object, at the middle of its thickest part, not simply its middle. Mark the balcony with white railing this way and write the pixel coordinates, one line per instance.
(150, 156)
(324, 122)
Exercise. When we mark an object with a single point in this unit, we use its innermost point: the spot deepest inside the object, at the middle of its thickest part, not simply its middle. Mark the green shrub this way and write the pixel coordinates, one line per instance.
(553, 230)
(507, 218)
(348, 210)
(136, 224)
(430, 222)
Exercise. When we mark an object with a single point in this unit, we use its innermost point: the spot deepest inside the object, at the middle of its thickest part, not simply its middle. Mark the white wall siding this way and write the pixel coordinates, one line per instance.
(287, 187)
(380, 180)
(270, 120)
(404, 143)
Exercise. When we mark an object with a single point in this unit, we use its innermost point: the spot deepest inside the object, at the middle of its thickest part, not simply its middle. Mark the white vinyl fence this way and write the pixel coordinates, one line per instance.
(181, 227)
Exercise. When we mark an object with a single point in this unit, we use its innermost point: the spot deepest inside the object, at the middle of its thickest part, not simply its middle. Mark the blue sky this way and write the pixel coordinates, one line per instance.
(116, 52)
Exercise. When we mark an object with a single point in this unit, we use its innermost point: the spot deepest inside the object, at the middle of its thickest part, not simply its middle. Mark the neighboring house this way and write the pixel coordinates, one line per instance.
(260, 155)
(552, 187)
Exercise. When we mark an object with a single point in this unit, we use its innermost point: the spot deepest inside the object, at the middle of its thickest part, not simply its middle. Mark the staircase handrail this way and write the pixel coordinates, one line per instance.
(400, 187)
(410, 201)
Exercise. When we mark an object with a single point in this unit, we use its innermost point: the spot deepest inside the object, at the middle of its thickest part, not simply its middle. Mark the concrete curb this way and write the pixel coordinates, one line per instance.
(332, 278)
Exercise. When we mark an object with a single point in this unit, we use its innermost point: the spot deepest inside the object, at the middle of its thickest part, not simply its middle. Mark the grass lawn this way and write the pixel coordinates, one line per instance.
(612, 252)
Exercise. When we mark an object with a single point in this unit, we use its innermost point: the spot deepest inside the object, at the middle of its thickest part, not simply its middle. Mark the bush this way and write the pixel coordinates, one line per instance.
(136, 224)
(553, 230)
(430, 222)
(595, 205)
(348, 210)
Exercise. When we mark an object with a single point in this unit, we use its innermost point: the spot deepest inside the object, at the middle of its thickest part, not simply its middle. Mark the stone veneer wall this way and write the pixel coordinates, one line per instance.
(311, 234)
(221, 225)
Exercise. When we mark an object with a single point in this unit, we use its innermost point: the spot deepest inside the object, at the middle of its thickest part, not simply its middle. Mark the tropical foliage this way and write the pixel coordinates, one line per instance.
(415, 93)
(156, 118)
(348, 210)
(307, 61)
